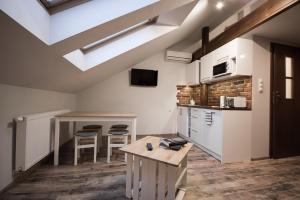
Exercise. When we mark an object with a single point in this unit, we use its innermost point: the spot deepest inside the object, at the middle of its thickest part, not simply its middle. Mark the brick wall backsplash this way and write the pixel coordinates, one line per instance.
(187, 92)
(241, 86)
(235, 87)
(184, 94)
(196, 94)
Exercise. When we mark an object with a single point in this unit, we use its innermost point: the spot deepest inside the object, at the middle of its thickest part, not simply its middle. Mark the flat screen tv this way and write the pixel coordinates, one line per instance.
(143, 77)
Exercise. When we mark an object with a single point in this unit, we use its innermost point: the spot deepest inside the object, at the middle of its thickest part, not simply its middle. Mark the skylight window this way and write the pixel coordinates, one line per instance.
(117, 46)
(101, 42)
(91, 14)
(54, 6)
(118, 42)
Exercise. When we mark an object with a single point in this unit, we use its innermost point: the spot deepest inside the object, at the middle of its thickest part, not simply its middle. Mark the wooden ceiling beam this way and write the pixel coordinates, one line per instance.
(262, 14)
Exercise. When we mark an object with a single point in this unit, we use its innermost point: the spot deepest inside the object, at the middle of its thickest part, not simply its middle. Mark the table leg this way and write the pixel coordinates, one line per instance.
(184, 165)
(136, 178)
(148, 190)
(56, 141)
(71, 129)
(129, 176)
(171, 182)
(74, 127)
(133, 130)
(161, 182)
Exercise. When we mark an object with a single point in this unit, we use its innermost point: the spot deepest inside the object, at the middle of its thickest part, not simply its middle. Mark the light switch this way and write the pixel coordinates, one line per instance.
(260, 85)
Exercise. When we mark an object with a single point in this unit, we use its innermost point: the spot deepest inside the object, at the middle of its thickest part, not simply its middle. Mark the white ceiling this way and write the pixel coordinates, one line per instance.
(282, 28)
(29, 62)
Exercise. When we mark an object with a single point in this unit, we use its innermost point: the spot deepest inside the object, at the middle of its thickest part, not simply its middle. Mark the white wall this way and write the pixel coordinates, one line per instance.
(261, 101)
(15, 101)
(155, 106)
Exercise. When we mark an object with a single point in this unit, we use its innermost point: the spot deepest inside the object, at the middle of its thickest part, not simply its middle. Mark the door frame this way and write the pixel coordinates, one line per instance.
(272, 131)
(272, 96)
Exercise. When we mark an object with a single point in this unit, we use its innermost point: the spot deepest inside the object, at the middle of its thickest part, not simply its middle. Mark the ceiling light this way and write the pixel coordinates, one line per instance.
(220, 5)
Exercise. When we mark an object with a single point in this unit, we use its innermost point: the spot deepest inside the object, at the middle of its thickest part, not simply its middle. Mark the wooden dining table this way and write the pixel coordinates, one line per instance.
(79, 116)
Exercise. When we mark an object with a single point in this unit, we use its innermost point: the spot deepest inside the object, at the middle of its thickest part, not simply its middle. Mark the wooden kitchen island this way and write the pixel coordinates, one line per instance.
(157, 174)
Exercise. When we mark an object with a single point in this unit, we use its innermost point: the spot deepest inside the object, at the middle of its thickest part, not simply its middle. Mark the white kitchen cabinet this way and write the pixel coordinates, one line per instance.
(212, 131)
(183, 121)
(193, 73)
(244, 57)
(238, 52)
(196, 133)
(206, 68)
(227, 136)
(207, 133)
(225, 52)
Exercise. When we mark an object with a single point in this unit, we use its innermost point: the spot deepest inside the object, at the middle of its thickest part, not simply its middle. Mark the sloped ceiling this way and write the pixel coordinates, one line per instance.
(282, 28)
(29, 62)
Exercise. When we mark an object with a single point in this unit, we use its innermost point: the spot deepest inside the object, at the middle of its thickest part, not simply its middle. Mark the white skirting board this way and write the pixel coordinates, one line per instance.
(34, 138)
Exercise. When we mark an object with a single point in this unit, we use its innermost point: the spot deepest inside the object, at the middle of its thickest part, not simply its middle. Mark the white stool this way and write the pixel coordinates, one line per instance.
(89, 136)
(120, 143)
(97, 128)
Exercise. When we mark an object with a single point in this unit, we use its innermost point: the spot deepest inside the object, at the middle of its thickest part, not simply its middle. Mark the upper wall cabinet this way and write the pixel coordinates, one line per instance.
(205, 69)
(193, 73)
(231, 60)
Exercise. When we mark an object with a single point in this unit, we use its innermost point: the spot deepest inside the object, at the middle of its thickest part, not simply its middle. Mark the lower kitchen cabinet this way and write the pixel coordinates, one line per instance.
(183, 121)
(212, 130)
(195, 126)
(225, 134)
(195, 135)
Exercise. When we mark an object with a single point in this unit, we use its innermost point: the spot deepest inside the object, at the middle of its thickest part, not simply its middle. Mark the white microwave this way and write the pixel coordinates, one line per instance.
(223, 68)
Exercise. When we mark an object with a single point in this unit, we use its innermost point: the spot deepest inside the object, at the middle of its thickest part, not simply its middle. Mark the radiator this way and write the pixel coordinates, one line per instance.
(34, 138)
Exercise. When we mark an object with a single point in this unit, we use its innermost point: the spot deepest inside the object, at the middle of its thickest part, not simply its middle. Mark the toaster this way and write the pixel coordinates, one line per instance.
(236, 102)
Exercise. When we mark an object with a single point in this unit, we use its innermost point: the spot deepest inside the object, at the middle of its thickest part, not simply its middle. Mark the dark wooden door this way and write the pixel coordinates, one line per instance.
(285, 109)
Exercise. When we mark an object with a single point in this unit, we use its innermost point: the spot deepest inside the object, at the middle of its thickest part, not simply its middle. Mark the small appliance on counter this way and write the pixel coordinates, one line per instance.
(236, 102)
(223, 102)
(192, 102)
(232, 102)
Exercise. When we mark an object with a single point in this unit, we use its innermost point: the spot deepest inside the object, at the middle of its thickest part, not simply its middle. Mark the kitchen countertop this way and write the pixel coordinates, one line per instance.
(212, 107)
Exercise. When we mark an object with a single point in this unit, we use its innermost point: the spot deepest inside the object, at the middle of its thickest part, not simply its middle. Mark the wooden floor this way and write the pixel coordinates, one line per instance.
(207, 179)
